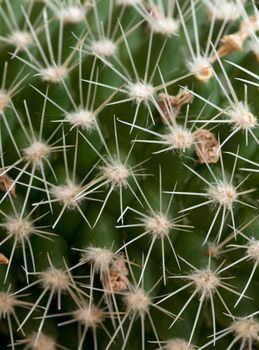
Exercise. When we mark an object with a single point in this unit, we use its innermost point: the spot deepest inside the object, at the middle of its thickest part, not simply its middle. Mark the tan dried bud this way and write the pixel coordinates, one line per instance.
(6, 183)
(3, 259)
(204, 74)
(171, 105)
(229, 44)
(206, 146)
(183, 97)
(4, 100)
(165, 104)
(116, 278)
(234, 42)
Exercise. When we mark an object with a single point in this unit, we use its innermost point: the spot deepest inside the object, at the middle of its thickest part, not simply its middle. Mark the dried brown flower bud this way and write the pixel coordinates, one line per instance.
(203, 74)
(234, 42)
(3, 259)
(4, 100)
(165, 103)
(229, 44)
(116, 279)
(6, 183)
(171, 105)
(206, 146)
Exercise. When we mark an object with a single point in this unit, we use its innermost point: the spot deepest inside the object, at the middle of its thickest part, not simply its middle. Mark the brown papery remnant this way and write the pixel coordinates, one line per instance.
(6, 183)
(171, 105)
(116, 278)
(234, 42)
(206, 146)
(3, 259)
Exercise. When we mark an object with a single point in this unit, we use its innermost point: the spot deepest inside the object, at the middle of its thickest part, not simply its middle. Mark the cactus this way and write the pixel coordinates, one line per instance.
(128, 138)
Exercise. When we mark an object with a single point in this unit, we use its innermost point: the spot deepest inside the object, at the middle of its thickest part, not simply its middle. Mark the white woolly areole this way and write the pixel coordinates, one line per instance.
(252, 250)
(36, 152)
(82, 118)
(7, 303)
(179, 138)
(140, 92)
(89, 316)
(116, 173)
(165, 25)
(178, 344)
(101, 258)
(223, 194)
(157, 225)
(223, 10)
(66, 193)
(137, 302)
(53, 74)
(206, 281)
(18, 228)
(20, 39)
(128, 2)
(55, 279)
(201, 68)
(43, 342)
(103, 47)
(71, 14)
(4, 100)
(246, 329)
(242, 117)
